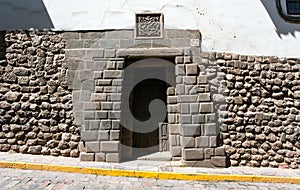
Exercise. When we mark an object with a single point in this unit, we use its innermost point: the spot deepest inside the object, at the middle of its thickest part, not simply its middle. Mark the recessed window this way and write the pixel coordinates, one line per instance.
(289, 10)
(293, 7)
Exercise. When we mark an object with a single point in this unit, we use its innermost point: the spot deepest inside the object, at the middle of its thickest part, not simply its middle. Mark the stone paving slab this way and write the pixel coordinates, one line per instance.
(142, 165)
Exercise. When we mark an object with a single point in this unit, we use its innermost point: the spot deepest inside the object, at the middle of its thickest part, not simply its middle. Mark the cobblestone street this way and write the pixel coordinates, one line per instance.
(28, 179)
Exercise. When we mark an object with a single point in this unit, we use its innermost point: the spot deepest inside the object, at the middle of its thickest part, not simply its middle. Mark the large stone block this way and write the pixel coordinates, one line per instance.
(100, 157)
(193, 154)
(179, 70)
(208, 152)
(110, 146)
(188, 142)
(219, 161)
(209, 129)
(191, 69)
(111, 74)
(198, 119)
(89, 136)
(112, 157)
(202, 142)
(175, 151)
(206, 107)
(103, 135)
(92, 146)
(87, 156)
(201, 163)
(105, 124)
(190, 130)
(186, 119)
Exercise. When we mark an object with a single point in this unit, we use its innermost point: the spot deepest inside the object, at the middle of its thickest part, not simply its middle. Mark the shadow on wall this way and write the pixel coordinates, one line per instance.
(20, 14)
(282, 27)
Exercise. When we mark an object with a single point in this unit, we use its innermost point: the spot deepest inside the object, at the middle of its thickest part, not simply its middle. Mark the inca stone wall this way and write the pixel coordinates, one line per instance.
(35, 104)
(262, 127)
(246, 105)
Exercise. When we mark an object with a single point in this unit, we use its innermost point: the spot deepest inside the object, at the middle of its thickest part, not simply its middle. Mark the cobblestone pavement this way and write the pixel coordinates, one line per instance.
(28, 179)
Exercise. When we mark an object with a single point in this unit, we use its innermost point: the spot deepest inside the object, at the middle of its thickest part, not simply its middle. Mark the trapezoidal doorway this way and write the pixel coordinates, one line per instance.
(144, 95)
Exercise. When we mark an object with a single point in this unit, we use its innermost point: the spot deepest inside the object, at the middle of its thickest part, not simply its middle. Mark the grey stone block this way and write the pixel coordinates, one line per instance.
(197, 119)
(120, 34)
(89, 136)
(106, 105)
(213, 141)
(173, 118)
(208, 152)
(210, 118)
(126, 43)
(101, 114)
(179, 70)
(88, 85)
(189, 80)
(220, 151)
(86, 74)
(115, 97)
(114, 114)
(181, 42)
(109, 146)
(173, 108)
(161, 43)
(81, 147)
(115, 44)
(94, 124)
(115, 124)
(114, 134)
(180, 89)
(92, 146)
(85, 96)
(174, 128)
(91, 106)
(95, 65)
(200, 163)
(74, 44)
(191, 69)
(112, 157)
(202, 80)
(100, 157)
(111, 74)
(209, 129)
(185, 119)
(104, 82)
(202, 142)
(188, 98)
(185, 108)
(89, 115)
(178, 59)
(193, 154)
(204, 97)
(91, 53)
(74, 53)
(194, 108)
(109, 53)
(93, 35)
(117, 82)
(219, 161)
(103, 135)
(175, 151)
(87, 156)
(111, 65)
(206, 107)
(172, 99)
(70, 35)
(117, 106)
(97, 74)
(190, 130)
(188, 142)
(105, 124)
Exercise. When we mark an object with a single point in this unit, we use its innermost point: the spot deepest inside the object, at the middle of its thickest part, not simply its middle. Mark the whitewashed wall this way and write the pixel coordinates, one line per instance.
(237, 26)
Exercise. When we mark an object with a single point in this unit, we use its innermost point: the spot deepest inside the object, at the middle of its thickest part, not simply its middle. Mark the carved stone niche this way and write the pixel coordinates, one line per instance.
(149, 25)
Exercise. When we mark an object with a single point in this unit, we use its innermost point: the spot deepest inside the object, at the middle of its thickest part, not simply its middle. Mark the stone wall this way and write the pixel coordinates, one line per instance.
(35, 103)
(258, 97)
(262, 127)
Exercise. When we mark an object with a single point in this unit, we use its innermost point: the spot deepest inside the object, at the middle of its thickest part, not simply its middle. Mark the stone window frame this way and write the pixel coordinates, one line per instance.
(283, 11)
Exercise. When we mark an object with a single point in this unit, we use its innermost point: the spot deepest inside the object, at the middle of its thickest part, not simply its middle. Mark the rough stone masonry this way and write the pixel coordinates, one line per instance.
(224, 107)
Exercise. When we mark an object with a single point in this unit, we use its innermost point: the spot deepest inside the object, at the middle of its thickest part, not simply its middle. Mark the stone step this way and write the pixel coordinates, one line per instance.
(157, 156)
